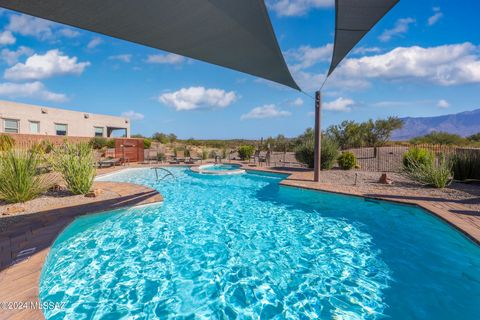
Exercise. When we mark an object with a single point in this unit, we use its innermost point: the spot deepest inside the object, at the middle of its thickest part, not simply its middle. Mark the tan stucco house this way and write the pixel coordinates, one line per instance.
(32, 119)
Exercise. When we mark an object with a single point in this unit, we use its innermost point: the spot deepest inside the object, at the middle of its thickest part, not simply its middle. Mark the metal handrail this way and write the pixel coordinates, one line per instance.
(169, 173)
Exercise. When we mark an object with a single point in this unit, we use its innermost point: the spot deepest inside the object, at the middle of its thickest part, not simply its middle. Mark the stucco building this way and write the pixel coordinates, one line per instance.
(32, 119)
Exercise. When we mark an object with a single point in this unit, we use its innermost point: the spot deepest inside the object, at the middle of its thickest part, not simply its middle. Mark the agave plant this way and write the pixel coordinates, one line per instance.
(76, 164)
(19, 177)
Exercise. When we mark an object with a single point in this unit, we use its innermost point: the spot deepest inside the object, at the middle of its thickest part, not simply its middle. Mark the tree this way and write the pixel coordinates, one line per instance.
(474, 137)
(351, 134)
(246, 152)
(161, 137)
(172, 138)
(379, 132)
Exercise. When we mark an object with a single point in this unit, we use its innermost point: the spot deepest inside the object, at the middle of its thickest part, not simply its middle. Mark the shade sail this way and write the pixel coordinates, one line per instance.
(230, 33)
(354, 18)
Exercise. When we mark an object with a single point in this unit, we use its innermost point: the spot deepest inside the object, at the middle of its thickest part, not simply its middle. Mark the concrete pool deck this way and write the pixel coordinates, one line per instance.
(19, 281)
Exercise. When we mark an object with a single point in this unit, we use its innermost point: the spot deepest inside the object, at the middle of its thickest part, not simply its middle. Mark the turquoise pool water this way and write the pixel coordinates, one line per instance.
(243, 247)
(219, 167)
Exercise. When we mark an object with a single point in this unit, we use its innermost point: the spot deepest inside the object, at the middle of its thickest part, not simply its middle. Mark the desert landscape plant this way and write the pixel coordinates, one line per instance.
(19, 178)
(347, 160)
(415, 156)
(466, 164)
(6, 142)
(305, 153)
(246, 152)
(437, 174)
(76, 164)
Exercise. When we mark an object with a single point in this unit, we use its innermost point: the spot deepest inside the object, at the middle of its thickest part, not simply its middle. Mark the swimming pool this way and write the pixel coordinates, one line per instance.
(243, 246)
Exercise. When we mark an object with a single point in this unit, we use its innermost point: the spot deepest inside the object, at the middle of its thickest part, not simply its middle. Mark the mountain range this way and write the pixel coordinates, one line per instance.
(463, 123)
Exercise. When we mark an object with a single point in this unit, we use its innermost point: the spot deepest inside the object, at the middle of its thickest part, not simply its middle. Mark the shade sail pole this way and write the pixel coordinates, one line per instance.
(318, 136)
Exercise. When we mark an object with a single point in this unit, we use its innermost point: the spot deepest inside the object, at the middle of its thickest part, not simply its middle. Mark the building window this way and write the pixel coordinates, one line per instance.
(34, 127)
(10, 125)
(98, 131)
(60, 129)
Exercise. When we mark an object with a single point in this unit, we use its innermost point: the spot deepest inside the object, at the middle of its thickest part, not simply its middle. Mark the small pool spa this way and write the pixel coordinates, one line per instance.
(219, 169)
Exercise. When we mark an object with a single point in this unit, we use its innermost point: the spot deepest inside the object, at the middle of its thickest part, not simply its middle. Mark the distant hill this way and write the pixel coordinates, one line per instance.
(463, 123)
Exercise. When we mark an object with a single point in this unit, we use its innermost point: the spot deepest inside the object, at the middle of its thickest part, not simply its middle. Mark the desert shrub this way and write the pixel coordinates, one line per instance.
(347, 160)
(466, 165)
(474, 137)
(212, 154)
(439, 137)
(98, 143)
(6, 142)
(204, 154)
(438, 175)
(147, 143)
(76, 164)
(110, 143)
(18, 175)
(161, 156)
(44, 147)
(417, 155)
(329, 152)
(245, 152)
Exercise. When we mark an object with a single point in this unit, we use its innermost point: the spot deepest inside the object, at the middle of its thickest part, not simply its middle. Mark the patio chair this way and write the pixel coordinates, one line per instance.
(255, 156)
(180, 157)
(193, 158)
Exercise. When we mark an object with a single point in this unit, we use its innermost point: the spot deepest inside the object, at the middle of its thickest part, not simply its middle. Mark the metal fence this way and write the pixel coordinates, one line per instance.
(390, 158)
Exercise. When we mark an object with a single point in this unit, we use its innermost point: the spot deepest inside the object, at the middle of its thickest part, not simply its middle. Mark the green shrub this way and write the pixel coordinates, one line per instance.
(147, 143)
(437, 175)
(18, 176)
(466, 165)
(76, 164)
(439, 137)
(246, 152)
(6, 142)
(161, 156)
(329, 153)
(98, 143)
(204, 154)
(347, 160)
(110, 143)
(418, 156)
(42, 148)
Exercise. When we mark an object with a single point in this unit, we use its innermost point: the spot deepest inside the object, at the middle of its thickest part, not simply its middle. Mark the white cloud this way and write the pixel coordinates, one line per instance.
(132, 115)
(30, 26)
(69, 32)
(198, 98)
(121, 57)
(11, 56)
(366, 50)
(264, 112)
(306, 56)
(95, 42)
(401, 27)
(443, 104)
(444, 65)
(34, 89)
(437, 15)
(52, 63)
(341, 104)
(297, 7)
(6, 38)
(297, 102)
(169, 58)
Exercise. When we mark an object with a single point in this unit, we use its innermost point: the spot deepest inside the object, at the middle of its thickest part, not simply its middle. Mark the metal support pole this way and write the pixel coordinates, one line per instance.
(318, 136)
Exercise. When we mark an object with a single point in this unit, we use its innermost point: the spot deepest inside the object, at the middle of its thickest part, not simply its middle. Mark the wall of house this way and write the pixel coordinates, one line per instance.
(79, 124)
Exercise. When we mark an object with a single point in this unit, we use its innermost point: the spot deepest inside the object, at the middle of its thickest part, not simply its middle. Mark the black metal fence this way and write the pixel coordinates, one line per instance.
(390, 158)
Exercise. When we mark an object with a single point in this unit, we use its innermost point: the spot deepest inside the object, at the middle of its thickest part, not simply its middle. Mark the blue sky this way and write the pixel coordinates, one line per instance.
(422, 59)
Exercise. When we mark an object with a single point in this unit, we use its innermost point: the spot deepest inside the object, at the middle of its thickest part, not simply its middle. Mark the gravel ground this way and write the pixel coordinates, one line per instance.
(11, 213)
(367, 182)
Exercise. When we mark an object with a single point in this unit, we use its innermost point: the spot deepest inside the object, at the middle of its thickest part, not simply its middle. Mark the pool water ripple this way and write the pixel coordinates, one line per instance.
(243, 247)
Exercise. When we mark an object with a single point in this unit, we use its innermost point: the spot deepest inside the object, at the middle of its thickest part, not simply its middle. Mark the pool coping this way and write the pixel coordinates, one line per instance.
(23, 278)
